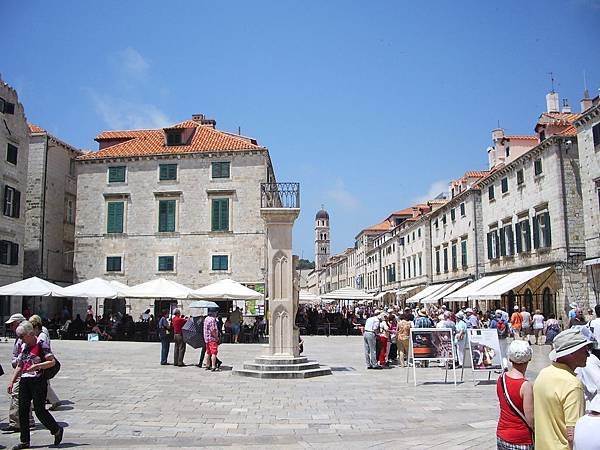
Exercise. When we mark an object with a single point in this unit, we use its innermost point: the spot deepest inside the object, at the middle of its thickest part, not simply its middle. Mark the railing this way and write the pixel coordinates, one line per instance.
(280, 195)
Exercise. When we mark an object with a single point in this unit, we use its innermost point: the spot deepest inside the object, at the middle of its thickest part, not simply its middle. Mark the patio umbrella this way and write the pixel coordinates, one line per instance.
(192, 335)
(34, 287)
(203, 304)
(226, 290)
(121, 288)
(159, 288)
(94, 288)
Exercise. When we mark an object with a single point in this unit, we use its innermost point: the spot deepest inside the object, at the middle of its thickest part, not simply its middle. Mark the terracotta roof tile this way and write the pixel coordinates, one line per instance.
(476, 173)
(35, 129)
(382, 226)
(524, 138)
(152, 142)
(554, 117)
(569, 131)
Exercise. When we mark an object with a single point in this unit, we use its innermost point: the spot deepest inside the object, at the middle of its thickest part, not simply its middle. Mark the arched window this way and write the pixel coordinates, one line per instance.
(547, 302)
(510, 298)
(528, 300)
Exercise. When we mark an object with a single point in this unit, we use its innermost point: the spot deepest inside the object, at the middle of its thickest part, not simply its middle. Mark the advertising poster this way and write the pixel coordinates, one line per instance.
(484, 349)
(432, 343)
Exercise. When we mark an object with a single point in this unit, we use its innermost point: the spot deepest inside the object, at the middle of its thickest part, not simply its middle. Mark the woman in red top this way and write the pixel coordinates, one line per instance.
(514, 431)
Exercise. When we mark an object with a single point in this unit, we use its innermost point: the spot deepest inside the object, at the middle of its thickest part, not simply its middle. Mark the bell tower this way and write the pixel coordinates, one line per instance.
(322, 242)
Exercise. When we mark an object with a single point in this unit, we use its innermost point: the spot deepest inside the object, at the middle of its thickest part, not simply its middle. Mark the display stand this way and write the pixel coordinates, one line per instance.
(484, 352)
(432, 344)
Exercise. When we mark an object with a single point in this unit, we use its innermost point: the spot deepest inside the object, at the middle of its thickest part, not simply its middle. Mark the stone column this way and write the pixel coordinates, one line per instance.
(283, 337)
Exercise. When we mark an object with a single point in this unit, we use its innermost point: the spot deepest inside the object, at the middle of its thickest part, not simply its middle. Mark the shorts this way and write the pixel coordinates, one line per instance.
(212, 348)
(235, 328)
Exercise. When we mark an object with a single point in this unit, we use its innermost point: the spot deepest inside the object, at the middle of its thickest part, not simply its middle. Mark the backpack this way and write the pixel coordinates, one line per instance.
(50, 373)
(501, 328)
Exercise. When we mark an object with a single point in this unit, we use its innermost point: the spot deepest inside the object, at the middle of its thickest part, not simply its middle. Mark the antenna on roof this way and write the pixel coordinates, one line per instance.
(498, 123)
(239, 131)
(586, 94)
(552, 80)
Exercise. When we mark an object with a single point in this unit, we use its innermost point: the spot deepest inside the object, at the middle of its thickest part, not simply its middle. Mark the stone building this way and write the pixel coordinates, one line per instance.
(14, 147)
(588, 139)
(322, 238)
(181, 203)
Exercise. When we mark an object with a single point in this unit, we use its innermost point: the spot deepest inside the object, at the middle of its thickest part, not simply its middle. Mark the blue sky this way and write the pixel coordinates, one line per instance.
(371, 106)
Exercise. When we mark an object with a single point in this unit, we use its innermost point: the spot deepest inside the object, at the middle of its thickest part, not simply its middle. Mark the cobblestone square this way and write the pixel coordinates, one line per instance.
(118, 396)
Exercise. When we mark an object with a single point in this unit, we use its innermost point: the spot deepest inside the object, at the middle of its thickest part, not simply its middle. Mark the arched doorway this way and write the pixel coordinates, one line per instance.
(510, 299)
(528, 299)
(547, 302)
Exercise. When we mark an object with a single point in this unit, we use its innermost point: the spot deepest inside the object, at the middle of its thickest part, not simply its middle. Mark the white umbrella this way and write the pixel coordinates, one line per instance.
(159, 288)
(121, 288)
(203, 304)
(347, 293)
(94, 288)
(34, 287)
(226, 290)
(309, 298)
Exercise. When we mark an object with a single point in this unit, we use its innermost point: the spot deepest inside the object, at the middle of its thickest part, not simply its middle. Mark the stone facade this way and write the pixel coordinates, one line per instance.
(588, 138)
(414, 256)
(14, 150)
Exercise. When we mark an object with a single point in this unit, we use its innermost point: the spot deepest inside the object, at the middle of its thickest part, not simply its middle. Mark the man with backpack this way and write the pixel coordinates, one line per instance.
(500, 324)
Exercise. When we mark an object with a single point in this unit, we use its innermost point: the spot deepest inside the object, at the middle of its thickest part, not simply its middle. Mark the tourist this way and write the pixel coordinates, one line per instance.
(13, 412)
(594, 324)
(34, 357)
(578, 320)
(573, 310)
(177, 323)
(42, 334)
(211, 337)
(516, 322)
(552, 329)
(590, 374)
(164, 334)
(236, 323)
(526, 323)
(538, 326)
(515, 394)
(472, 319)
(384, 337)
(403, 339)
(145, 316)
(393, 342)
(370, 340)
(423, 320)
(558, 394)
(586, 428)
(89, 312)
(460, 338)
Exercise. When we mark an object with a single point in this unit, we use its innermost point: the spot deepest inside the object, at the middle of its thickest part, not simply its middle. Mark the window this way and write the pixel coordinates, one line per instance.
(115, 216)
(70, 210)
(463, 253)
(72, 167)
(507, 151)
(452, 215)
(420, 265)
(220, 214)
(166, 263)
(12, 153)
(491, 193)
(166, 215)
(113, 264)
(596, 135)
(454, 257)
(462, 210)
(520, 179)
(167, 172)
(6, 107)
(493, 244)
(9, 253)
(445, 259)
(116, 174)
(220, 262)
(437, 261)
(220, 169)
(444, 219)
(507, 241)
(541, 231)
(504, 184)
(12, 202)
(174, 137)
(537, 167)
(437, 224)
(419, 232)
(523, 236)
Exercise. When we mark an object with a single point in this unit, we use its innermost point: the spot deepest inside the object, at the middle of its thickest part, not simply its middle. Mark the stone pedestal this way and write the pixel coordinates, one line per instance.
(282, 359)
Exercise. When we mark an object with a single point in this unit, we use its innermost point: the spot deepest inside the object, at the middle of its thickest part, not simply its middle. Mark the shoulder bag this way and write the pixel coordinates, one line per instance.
(51, 372)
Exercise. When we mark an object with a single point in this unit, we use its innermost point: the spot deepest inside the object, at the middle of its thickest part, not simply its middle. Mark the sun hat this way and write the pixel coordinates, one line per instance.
(519, 352)
(391, 310)
(460, 315)
(15, 318)
(567, 342)
(422, 312)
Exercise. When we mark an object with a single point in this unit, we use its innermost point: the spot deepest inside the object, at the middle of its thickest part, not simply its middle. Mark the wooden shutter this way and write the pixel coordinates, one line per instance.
(536, 232)
(14, 254)
(519, 237)
(16, 206)
(510, 241)
(527, 235)
(171, 206)
(502, 243)
(489, 245)
(6, 207)
(4, 252)
(548, 235)
(115, 217)
(224, 219)
(166, 215)
(497, 243)
(9, 108)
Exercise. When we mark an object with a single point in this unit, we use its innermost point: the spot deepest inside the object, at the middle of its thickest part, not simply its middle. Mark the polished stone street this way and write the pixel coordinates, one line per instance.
(118, 396)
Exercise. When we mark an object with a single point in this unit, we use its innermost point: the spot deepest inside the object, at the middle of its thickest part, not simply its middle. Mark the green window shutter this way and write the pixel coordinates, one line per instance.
(220, 214)
(115, 217)
(463, 248)
(113, 264)
(527, 235)
(168, 171)
(510, 241)
(502, 243)
(548, 235)
(519, 237)
(489, 246)
(166, 263)
(454, 258)
(536, 232)
(220, 169)
(220, 262)
(166, 216)
(116, 174)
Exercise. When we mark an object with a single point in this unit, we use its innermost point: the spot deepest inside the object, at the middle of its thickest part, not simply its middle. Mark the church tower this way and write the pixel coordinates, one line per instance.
(322, 243)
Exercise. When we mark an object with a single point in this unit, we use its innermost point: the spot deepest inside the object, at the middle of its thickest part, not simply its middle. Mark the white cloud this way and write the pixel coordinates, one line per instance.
(435, 189)
(342, 197)
(132, 63)
(121, 114)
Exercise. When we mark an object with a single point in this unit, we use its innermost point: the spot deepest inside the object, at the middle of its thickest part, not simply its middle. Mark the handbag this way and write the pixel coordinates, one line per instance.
(514, 408)
(48, 374)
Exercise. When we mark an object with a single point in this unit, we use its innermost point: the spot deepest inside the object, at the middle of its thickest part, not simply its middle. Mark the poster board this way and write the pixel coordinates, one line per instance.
(432, 344)
(484, 350)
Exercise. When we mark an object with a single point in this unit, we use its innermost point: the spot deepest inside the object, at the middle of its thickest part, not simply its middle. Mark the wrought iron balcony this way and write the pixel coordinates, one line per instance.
(280, 195)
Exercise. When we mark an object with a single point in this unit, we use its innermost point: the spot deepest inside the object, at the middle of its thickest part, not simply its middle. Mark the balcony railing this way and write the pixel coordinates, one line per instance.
(280, 195)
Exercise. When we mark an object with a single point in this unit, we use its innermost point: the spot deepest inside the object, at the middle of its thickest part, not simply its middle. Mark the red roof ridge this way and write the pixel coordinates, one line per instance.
(35, 129)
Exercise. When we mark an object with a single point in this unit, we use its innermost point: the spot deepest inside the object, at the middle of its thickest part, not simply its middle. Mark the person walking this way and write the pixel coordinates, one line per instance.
(558, 394)
(515, 394)
(578, 320)
(177, 323)
(525, 323)
(384, 337)
(236, 319)
(43, 335)
(211, 337)
(403, 339)
(34, 357)
(14, 424)
(538, 326)
(516, 322)
(552, 328)
(164, 334)
(460, 338)
(370, 341)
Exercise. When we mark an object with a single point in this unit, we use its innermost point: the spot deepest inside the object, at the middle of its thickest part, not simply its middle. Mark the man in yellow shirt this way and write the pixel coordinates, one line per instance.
(558, 395)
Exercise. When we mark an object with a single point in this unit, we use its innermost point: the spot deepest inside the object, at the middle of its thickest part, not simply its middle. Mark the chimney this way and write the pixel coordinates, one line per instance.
(198, 118)
(552, 101)
(202, 120)
(491, 157)
(566, 109)
(586, 101)
(497, 134)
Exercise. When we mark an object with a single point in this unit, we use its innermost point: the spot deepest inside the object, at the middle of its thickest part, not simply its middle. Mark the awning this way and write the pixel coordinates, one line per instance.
(591, 262)
(495, 290)
(347, 293)
(407, 290)
(448, 289)
(463, 295)
(429, 290)
(384, 293)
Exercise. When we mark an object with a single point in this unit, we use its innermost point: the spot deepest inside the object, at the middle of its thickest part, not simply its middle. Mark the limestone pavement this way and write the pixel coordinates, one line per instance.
(118, 396)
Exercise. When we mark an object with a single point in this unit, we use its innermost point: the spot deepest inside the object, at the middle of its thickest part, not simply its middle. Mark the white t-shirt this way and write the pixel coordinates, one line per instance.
(526, 319)
(595, 325)
(586, 433)
(538, 322)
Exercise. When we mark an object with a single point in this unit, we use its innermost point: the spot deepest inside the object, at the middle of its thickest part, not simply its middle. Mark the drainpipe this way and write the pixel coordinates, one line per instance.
(43, 205)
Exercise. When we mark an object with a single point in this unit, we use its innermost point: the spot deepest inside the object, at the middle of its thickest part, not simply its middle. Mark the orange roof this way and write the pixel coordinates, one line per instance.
(152, 142)
(569, 131)
(525, 138)
(382, 226)
(35, 129)
(475, 173)
(559, 117)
